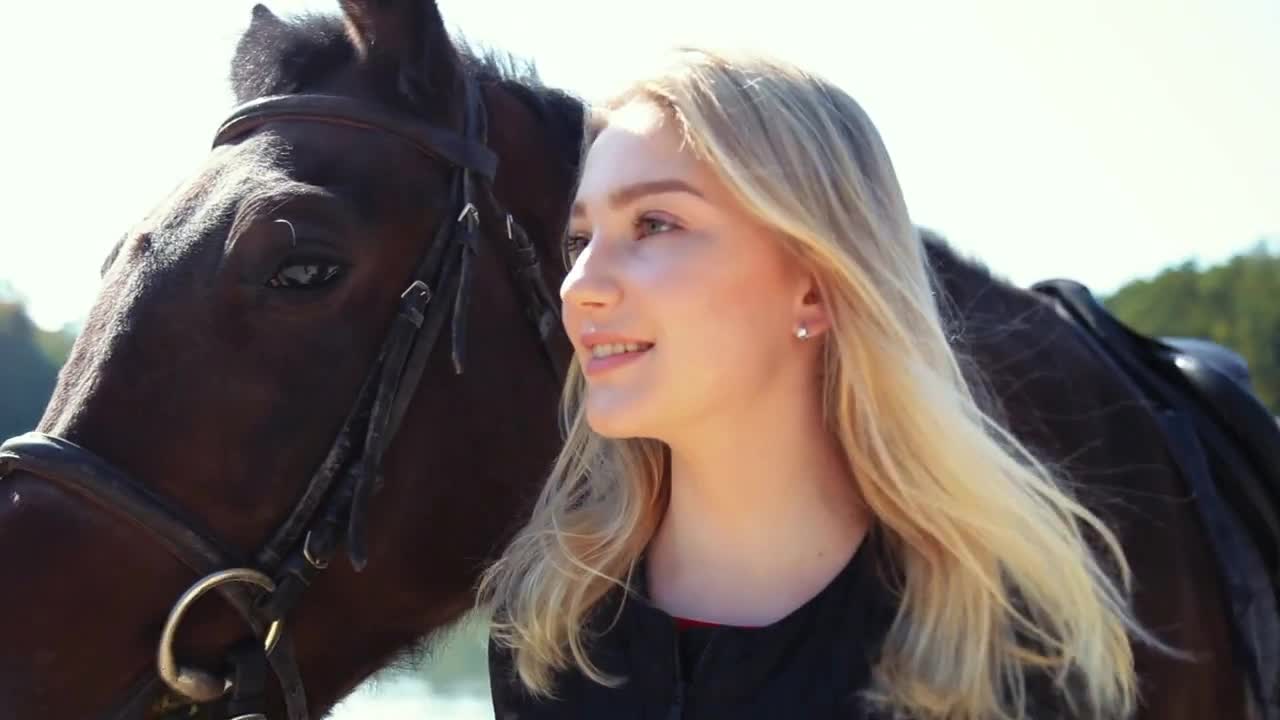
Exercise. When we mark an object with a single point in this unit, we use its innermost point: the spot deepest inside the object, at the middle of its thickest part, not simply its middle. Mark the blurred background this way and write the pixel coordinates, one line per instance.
(1131, 146)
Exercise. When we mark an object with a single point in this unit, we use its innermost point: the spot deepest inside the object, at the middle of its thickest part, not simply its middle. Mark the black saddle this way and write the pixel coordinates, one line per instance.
(1227, 446)
(1208, 385)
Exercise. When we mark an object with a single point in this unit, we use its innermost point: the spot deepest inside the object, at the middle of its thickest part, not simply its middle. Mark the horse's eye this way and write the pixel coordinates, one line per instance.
(309, 274)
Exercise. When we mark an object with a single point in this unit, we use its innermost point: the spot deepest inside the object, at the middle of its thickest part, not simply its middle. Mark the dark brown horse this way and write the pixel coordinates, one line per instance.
(240, 323)
(234, 330)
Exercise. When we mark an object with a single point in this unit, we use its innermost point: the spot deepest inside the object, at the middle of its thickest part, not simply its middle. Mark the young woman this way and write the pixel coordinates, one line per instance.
(778, 496)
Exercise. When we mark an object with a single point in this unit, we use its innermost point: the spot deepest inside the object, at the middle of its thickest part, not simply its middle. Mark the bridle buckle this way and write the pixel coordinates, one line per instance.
(317, 562)
(470, 215)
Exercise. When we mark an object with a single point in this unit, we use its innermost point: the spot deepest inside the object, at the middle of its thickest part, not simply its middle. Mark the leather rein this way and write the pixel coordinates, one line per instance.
(333, 508)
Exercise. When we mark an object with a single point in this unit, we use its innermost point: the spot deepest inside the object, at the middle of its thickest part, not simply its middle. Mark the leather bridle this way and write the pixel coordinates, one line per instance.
(334, 506)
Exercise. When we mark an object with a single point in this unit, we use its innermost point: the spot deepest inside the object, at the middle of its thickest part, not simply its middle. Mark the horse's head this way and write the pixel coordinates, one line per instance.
(269, 305)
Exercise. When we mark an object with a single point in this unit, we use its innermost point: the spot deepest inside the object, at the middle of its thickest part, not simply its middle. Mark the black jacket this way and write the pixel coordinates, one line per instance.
(814, 663)
(810, 664)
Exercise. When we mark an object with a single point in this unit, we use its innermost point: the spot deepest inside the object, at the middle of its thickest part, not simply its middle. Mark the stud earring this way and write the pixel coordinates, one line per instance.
(802, 332)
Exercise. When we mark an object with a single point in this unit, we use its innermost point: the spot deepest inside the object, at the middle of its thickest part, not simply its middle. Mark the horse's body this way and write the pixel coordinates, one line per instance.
(221, 393)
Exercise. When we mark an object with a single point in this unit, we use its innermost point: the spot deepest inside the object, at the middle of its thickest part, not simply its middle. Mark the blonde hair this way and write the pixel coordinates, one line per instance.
(996, 576)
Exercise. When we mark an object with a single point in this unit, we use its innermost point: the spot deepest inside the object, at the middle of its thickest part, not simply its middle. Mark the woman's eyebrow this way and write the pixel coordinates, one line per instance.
(630, 193)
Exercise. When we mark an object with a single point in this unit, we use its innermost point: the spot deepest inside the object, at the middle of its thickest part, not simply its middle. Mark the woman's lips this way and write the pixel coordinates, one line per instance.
(598, 365)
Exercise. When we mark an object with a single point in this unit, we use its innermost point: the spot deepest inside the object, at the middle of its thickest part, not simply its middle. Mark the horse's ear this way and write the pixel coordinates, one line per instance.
(408, 35)
(253, 70)
(275, 55)
(262, 14)
(264, 26)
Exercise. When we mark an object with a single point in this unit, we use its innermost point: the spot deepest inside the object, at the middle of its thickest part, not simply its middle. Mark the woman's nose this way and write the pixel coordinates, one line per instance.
(591, 283)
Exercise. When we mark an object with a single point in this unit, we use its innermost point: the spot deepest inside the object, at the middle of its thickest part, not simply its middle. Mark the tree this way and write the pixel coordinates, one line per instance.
(1233, 304)
(27, 373)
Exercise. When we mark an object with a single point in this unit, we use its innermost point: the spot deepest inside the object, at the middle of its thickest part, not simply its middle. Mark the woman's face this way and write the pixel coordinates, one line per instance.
(681, 307)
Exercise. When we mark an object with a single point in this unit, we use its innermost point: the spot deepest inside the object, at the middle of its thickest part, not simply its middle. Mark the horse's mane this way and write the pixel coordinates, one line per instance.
(559, 111)
(942, 254)
(283, 55)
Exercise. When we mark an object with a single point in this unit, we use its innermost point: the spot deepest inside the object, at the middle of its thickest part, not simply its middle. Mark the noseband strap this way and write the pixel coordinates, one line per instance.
(333, 508)
(98, 482)
(93, 479)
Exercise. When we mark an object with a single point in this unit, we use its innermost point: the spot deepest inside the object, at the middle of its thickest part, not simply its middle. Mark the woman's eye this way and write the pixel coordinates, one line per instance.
(575, 243)
(310, 274)
(649, 225)
(573, 247)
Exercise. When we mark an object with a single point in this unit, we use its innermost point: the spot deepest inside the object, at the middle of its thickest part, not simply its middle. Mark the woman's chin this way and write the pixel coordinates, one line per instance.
(615, 418)
(610, 426)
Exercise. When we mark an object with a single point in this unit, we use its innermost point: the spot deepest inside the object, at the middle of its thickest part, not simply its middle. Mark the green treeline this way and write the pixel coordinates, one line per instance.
(1236, 304)
(29, 363)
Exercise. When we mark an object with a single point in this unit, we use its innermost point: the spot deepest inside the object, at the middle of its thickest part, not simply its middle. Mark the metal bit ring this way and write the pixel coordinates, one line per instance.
(198, 685)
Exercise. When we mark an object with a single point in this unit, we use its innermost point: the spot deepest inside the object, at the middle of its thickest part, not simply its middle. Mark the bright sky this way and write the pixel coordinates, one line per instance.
(1093, 139)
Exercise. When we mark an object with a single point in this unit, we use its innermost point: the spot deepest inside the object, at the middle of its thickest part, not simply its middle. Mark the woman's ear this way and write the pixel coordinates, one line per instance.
(811, 312)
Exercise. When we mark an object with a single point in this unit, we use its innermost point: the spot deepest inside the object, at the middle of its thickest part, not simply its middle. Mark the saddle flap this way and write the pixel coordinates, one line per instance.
(1238, 431)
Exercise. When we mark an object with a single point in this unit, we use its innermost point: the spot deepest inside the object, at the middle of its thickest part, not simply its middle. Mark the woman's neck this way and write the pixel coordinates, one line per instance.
(763, 514)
